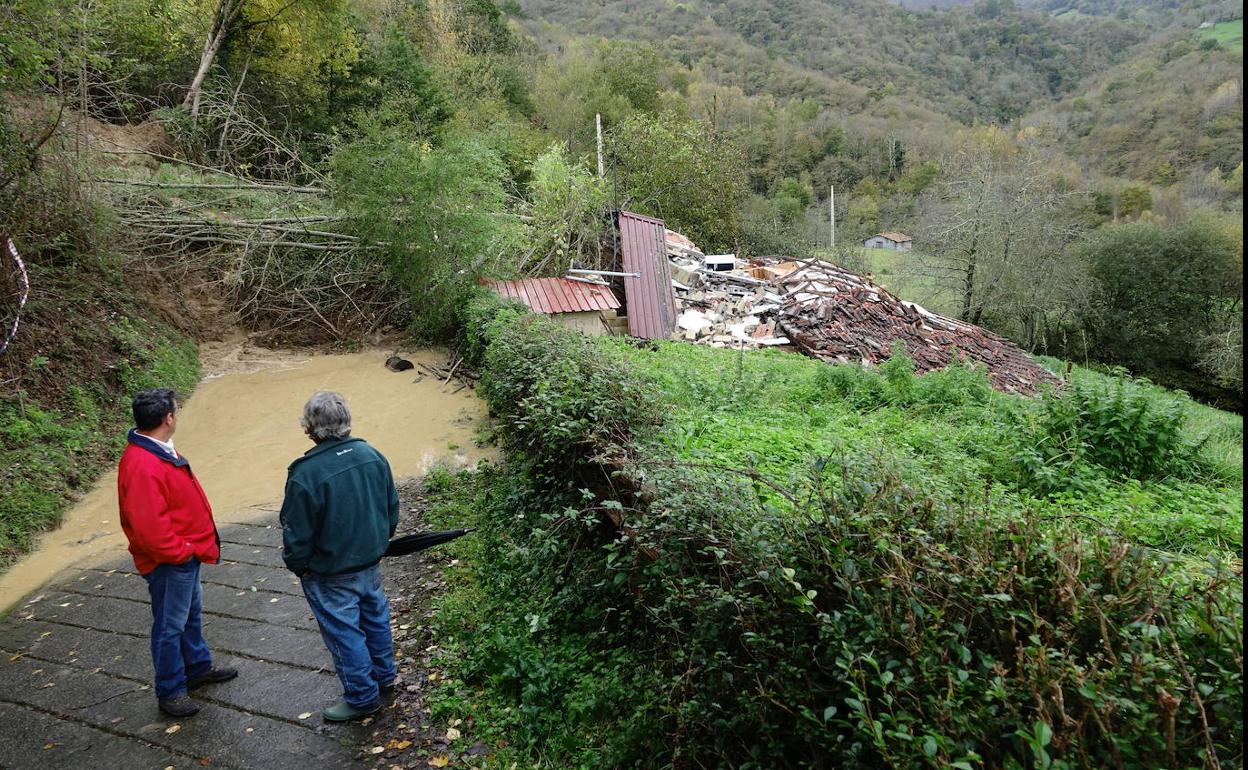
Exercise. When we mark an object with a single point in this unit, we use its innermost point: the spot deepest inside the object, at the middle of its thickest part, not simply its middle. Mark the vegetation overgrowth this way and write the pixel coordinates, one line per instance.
(92, 333)
(760, 561)
(62, 431)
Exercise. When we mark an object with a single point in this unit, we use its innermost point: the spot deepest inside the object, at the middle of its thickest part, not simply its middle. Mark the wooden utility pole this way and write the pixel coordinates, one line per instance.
(832, 213)
(598, 130)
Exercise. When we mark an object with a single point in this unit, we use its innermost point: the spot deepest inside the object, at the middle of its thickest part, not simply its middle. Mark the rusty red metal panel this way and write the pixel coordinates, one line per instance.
(537, 297)
(557, 295)
(604, 298)
(559, 298)
(651, 306)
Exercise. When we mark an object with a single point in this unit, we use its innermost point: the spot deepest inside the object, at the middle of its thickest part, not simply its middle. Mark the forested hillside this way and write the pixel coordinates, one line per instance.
(992, 62)
(1171, 112)
(1092, 118)
(689, 557)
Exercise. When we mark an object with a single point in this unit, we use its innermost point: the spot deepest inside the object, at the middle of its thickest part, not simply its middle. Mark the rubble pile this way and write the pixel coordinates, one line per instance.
(831, 314)
(837, 316)
(726, 308)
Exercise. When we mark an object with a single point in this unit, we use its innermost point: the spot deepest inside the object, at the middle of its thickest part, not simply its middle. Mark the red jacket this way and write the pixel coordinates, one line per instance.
(164, 511)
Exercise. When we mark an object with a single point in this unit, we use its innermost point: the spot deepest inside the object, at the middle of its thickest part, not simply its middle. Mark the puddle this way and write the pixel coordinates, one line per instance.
(240, 429)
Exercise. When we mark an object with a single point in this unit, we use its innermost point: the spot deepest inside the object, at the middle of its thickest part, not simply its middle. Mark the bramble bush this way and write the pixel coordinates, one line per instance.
(671, 614)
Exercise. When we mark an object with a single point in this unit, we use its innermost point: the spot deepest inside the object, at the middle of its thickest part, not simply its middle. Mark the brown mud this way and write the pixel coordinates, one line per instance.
(240, 430)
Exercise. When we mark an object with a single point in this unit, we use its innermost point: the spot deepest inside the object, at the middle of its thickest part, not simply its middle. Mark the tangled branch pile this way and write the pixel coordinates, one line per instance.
(278, 252)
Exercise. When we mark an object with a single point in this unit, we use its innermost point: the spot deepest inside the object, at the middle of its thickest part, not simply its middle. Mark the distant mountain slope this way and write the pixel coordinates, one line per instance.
(1172, 112)
(993, 62)
(1155, 14)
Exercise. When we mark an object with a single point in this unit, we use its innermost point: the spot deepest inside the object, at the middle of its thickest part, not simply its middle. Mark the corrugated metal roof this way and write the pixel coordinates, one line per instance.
(894, 237)
(557, 295)
(651, 306)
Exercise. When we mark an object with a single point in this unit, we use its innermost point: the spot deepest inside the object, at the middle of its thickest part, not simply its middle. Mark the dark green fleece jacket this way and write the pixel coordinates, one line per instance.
(340, 509)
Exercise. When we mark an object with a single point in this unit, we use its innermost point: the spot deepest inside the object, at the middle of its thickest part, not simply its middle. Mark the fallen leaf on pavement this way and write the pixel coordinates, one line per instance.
(376, 749)
(171, 729)
(305, 715)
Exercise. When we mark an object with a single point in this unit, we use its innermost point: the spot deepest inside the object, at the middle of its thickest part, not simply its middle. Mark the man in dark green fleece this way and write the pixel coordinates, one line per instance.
(339, 513)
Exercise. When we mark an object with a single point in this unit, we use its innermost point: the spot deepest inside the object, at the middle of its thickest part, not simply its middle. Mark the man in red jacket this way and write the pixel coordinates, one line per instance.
(168, 521)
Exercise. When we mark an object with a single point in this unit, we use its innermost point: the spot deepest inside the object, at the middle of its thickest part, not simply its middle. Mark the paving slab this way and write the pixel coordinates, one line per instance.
(52, 743)
(260, 604)
(297, 646)
(262, 687)
(264, 555)
(222, 735)
(75, 672)
(241, 575)
(252, 534)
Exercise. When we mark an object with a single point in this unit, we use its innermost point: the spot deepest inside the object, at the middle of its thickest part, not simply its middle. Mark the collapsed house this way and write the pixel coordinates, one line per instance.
(672, 290)
(838, 316)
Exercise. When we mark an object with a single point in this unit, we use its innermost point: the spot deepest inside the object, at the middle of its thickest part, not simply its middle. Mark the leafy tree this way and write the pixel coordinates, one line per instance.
(568, 206)
(613, 80)
(676, 170)
(33, 34)
(431, 211)
(391, 83)
(1160, 292)
(294, 45)
(1134, 200)
(773, 227)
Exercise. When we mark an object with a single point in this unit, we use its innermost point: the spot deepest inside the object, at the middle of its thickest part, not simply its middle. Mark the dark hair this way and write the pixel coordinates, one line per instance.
(151, 406)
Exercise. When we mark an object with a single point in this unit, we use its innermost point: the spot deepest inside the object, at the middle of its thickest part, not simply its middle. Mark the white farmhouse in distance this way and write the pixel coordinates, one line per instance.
(894, 241)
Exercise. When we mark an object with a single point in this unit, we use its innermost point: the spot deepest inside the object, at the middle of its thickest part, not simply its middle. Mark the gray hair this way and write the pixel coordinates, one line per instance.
(326, 416)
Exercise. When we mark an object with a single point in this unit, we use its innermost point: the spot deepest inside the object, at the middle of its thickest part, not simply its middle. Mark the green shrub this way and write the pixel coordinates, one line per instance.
(675, 614)
(1119, 428)
(429, 211)
(557, 398)
(895, 383)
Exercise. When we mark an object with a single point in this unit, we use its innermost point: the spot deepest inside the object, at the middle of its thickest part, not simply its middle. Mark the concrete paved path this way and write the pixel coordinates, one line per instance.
(76, 672)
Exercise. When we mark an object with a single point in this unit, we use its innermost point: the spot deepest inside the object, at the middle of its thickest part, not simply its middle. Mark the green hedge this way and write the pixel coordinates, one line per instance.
(634, 610)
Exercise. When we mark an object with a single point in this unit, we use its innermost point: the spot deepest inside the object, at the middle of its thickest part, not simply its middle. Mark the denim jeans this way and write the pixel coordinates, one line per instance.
(354, 617)
(178, 647)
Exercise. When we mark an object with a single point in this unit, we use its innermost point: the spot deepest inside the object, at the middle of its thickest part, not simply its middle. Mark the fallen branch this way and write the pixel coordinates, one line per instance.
(210, 186)
(452, 374)
(279, 244)
(25, 292)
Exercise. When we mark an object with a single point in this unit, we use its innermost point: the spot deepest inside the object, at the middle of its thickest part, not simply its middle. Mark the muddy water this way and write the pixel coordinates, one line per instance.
(240, 429)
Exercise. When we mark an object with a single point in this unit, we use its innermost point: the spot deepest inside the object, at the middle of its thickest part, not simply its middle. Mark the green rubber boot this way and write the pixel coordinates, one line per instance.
(344, 712)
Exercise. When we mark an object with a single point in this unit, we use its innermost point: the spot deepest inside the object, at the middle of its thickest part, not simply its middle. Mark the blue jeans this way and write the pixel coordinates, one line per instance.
(354, 617)
(178, 647)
